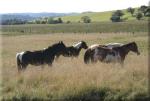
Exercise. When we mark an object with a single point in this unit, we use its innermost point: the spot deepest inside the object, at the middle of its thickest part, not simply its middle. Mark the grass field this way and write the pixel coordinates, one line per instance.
(98, 27)
(70, 79)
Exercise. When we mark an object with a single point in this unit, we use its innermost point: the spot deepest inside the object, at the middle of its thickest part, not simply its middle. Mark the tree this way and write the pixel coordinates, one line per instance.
(131, 10)
(147, 12)
(139, 16)
(118, 13)
(43, 22)
(68, 22)
(50, 20)
(143, 9)
(45, 19)
(116, 16)
(60, 20)
(86, 19)
(37, 21)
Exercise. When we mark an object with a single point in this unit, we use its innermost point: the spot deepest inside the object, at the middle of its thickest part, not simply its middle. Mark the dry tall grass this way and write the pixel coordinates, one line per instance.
(67, 76)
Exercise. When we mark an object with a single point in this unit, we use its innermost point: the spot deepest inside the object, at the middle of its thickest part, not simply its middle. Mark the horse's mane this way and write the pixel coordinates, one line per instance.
(126, 45)
(83, 41)
(75, 45)
(52, 46)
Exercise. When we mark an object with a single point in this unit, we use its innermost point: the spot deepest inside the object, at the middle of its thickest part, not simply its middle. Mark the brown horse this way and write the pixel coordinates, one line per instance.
(74, 50)
(105, 54)
(40, 57)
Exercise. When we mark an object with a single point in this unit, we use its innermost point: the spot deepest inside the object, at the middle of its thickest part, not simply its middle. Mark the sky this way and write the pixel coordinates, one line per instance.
(66, 6)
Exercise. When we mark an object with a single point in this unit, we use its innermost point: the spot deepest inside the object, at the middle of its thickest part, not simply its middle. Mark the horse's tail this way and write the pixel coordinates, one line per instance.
(87, 56)
(18, 62)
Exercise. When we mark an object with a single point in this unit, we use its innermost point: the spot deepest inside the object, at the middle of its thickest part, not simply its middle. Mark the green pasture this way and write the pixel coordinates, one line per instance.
(97, 27)
(99, 16)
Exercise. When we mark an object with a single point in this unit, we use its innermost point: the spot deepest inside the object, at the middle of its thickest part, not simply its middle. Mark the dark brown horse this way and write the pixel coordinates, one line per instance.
(74, 50)
(105, 54)
(40, 57)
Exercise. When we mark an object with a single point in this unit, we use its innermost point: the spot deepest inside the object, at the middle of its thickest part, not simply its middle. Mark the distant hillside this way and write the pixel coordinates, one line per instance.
(44, 14)
(16, 16)
(97, 16)
(31, 16)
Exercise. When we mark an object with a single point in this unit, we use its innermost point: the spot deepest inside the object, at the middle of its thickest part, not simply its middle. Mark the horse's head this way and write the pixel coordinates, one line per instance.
(134, 48)
(60, 48)
(84, 45)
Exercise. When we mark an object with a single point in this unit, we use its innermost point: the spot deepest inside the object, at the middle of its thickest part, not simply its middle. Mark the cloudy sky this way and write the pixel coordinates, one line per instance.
(66, 6)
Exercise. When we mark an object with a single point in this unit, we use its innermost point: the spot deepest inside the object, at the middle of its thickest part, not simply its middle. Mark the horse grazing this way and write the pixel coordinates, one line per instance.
(74, 50)
(106, 54)
(40, 57)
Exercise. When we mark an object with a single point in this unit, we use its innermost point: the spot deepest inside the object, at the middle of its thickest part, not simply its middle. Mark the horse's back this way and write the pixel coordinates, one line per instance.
(112, 45)
(94, 46)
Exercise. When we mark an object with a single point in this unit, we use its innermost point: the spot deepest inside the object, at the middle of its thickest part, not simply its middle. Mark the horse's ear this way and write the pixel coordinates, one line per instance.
(83, 41)
(133, 42)
(61, 41)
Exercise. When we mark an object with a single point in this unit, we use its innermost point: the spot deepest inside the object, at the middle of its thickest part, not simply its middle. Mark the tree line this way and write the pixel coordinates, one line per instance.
(117, 16)
(143, 11)
(47, 20)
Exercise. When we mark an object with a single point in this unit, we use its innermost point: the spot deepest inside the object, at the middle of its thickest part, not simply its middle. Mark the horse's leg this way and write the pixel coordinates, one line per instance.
(42, 66)
(56, 57)
(24, 66)
(72, 57)
(122, 63)
(19, 64)
(92, 59)
(96, 58)
(50, 64)
(19, 67)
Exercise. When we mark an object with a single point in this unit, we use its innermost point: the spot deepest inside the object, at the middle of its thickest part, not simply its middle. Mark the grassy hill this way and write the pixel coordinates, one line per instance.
(97, 16)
